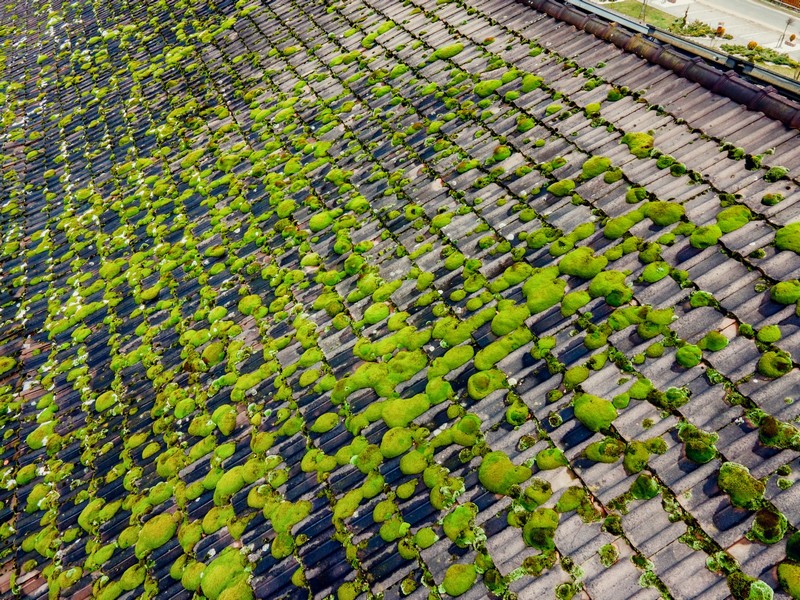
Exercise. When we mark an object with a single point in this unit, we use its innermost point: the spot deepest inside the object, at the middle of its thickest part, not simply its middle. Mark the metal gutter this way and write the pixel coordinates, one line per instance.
(743, 82)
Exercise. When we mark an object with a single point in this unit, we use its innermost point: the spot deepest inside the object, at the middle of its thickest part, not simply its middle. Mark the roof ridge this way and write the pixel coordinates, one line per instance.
(695, 68)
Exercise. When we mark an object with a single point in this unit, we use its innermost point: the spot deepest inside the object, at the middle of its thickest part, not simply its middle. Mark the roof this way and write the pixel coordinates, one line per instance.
(422, 298)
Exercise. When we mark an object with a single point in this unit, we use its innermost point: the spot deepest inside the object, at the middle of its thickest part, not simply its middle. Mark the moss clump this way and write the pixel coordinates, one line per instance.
(543, 289)
(713, 341)
(771, 199)
(774, 433)
(776, 174)
(447, 52)
(105, 401)
(155, 533)
(249, 304)
(376, 313)
(705, 236)
(484, 383)
(510, 317)
(768, 527)
(531, 82)
(490, 355)
(594, 412)
(774, 363)
(689, 356)
(396, 441)
(611, 286)
(487, 88)
(226, 573)
(769, 334)
(594, 166)
(789, 578)
(6, 364)
(788, 238)
(744, 490)
(582, 263)
(733, 217)
(645, 487)
(698, 444)
(663, 213)
(786, 292)
(656, 271)
(498, 474)
(561, 188)
(640, 144)
(325, 423)
(540, 529)
(574, 301)
(607, 450)
(551, 458)
(459, 579)
(458, 524)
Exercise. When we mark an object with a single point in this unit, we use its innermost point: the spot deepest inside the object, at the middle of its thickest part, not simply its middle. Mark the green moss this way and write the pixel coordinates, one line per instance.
(774, 363)
(768, 527)
(744, 490)
(698, 444)
(689, 356)
(401, 412)
(491, 354)
(458, 524)
(325, 423)
(645, 487)
(105, 401)
(487, 88)
(713, 341)
(552, 108)
(594, 166)
(786, 292)
(705, 236)
(733, 217)
(788, 238)
(287, 514)
(543, 289)
(582, 263)
(776, 174)
(155, 533)
(771, 199)
(396, 441)
(793, 547)
(769, 334)
(574, 301)
(640, 144)
(459, 579)
(498, 474)
(636, 456)
(663, 213)
(561, 188)
(594, 412)
(789, 578)
(540, 528)
(531, 82)
(226, 572)
(510, 316)
(611, 286)
(484, 383)
(551, 458)
(249, 304)
(447, 52)
(607, 450)
(376, 313)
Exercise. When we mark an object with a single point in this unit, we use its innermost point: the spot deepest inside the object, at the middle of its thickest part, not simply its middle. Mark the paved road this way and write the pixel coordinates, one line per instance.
(745, 20)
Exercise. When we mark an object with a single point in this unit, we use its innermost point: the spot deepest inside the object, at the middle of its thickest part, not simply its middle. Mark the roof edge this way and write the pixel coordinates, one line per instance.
(684, 62)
